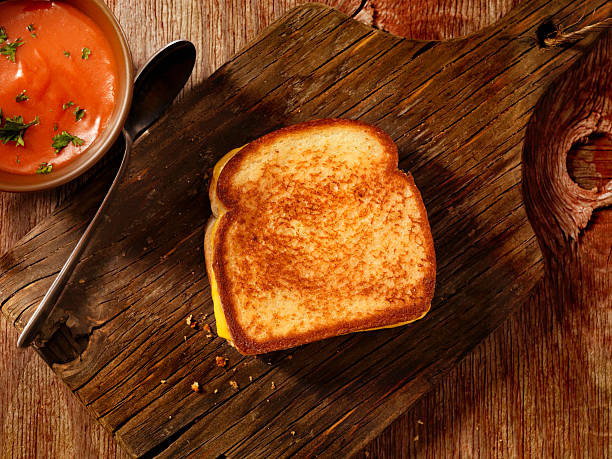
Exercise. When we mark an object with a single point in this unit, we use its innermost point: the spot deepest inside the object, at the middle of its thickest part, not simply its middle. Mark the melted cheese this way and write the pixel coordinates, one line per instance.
(221, 321)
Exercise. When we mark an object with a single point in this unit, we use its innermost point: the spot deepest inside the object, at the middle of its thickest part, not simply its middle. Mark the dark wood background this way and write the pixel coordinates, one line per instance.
(528, 389)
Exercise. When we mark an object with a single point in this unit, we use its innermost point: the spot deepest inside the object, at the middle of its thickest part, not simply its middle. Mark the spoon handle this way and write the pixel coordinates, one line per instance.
(45, 307)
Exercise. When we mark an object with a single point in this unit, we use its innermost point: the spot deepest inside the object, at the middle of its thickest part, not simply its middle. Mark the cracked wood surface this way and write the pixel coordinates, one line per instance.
(281, 364)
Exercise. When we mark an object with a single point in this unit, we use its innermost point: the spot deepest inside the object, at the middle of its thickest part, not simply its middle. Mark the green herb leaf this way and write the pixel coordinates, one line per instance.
(9, 49)
(66, 53)
(3, 35)
(31, 28)
(79, 113)
(44, 168)
(33, 35)
(61, 141)
(22, 97)
(14, 129)
(55, 127)
(67, 105)
(86, 53)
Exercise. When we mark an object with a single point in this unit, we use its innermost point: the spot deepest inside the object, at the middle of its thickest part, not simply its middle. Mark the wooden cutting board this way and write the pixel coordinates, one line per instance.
(457, 111)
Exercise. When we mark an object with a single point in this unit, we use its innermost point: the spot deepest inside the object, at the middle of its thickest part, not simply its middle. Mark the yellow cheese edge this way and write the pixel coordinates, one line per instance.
(221, 321)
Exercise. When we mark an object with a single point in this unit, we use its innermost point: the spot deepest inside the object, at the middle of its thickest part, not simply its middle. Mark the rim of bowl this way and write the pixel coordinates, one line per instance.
(91, 155)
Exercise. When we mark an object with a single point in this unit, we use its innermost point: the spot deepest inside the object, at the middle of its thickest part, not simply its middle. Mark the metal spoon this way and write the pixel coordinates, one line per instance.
(156, 86)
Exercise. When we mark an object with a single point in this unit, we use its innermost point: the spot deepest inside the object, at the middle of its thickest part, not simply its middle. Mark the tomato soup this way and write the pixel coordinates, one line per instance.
(58, 85)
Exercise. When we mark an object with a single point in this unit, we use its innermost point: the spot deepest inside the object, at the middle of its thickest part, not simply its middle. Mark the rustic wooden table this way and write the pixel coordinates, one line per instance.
(532, 388)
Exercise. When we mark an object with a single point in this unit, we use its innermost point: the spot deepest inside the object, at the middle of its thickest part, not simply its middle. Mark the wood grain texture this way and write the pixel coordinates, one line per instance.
(219, 29)
(551, 360)
(433, 20)
(127, 327)
(589, 162)
(459, 394)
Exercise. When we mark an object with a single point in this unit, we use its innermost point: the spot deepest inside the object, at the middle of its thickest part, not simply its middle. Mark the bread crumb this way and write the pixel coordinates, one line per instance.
(273, 386)
(169, 417)
(221, 361)
(250, 378)
(293, 432)
(215, 391)
(195, 387)
(81, 281)
(207, 328)
(420, 422)
(234, 384)
(191, 321)
(163, 381)
(209, 336)
(416, 438)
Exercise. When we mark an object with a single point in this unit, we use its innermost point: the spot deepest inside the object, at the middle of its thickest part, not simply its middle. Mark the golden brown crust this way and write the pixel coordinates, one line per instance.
(231, 200)
(223, 188)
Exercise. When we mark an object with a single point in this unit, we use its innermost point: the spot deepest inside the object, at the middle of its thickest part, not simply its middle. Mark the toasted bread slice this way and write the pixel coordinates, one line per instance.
(316, 233)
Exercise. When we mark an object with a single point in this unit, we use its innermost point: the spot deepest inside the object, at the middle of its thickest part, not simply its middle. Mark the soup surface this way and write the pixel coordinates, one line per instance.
(59, 84)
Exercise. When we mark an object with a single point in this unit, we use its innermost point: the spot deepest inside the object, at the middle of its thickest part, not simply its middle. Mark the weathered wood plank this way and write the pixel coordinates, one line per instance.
(551, 359)
(251, 115)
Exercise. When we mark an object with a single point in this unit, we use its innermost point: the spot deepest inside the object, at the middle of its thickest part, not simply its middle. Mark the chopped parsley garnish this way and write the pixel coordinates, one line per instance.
(9, 49)
(67, 105)
(3, 35)
(14, 129)
(79, 113)
(31, 28)
(55, 127)
(44, 168)
(22, 97)
(66, 53)
(61, 141)
(33, 35)
(86, 53)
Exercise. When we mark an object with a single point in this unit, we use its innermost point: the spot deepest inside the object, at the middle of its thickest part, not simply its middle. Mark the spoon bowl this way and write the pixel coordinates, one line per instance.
(158, 84)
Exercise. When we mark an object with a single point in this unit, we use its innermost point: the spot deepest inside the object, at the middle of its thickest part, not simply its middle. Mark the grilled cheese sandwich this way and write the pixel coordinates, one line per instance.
(300, 244)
